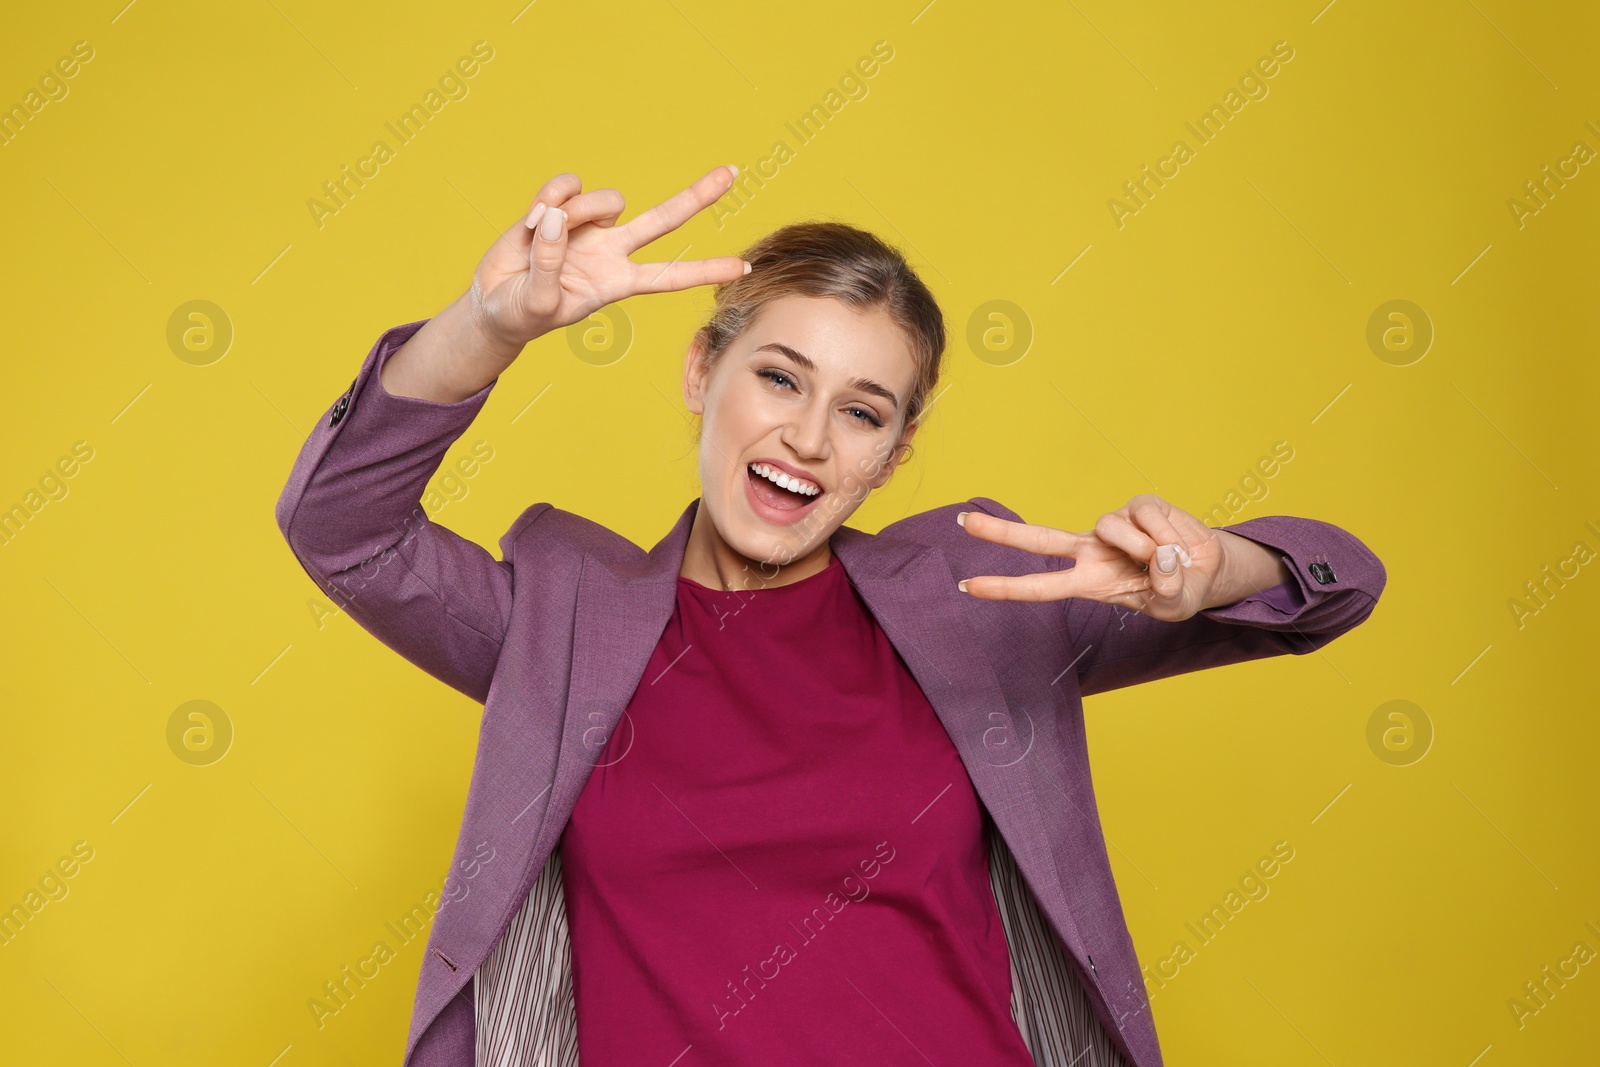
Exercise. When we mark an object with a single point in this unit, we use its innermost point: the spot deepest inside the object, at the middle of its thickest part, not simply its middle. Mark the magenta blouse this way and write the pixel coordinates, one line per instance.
(779, 857)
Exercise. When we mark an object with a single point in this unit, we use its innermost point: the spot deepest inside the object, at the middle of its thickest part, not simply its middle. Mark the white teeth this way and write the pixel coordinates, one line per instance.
(785, 481)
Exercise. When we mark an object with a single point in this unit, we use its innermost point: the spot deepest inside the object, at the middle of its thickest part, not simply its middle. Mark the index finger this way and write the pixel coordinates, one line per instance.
(676, 210)
(1041, 540)
(686, 274)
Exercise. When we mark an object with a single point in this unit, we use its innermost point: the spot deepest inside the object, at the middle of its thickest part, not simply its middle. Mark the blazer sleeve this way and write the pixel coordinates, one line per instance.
(1336, 584)
(352, 515)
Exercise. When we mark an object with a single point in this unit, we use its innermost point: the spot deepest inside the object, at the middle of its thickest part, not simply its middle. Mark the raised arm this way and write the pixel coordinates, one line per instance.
(1335, 584)
(352, 512)
(353, 517)
(1129, 621)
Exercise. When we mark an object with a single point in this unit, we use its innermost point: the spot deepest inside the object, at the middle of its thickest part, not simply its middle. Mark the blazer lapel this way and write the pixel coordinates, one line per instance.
(622, 610)
(909, 589)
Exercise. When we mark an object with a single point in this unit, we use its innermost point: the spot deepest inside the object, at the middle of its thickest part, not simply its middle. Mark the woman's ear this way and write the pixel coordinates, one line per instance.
(694, 374)
(902, 451)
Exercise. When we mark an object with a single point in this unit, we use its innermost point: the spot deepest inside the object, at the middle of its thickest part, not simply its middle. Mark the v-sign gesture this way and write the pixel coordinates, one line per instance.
(1148, 556)
(559, 264)
(568, 258)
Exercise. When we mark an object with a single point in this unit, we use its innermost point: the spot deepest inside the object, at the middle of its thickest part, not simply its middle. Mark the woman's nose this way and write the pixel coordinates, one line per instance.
(807, 433)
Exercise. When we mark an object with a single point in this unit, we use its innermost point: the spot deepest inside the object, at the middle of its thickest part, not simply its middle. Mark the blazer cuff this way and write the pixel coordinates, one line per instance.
(1332, 574)
(367, 389)
(364, 467)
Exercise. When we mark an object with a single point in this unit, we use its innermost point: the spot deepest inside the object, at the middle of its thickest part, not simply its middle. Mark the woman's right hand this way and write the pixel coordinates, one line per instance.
(527, 285)
(574, 258)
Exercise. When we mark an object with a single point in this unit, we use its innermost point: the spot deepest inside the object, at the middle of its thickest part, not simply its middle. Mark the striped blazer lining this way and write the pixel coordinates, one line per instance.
(525, 1014)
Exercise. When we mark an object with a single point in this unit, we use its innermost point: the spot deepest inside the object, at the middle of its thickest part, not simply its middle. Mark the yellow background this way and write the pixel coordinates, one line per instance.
(1228, 314)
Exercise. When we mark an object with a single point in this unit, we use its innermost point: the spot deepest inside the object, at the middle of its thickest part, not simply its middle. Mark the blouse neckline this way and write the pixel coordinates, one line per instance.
(832, 566)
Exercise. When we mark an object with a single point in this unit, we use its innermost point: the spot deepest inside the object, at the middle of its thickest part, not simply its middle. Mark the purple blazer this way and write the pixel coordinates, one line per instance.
(554, 639)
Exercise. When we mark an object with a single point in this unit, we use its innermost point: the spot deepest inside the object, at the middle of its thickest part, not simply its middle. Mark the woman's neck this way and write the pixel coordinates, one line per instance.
(714, 563)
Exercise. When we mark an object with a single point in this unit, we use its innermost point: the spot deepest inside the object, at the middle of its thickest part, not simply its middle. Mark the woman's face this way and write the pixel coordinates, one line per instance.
(813, 390)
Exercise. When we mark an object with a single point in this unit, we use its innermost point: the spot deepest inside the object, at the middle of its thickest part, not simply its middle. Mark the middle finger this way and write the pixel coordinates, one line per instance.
(1117, 529)
(600, 206)
(1031, 537)
(1153, 521)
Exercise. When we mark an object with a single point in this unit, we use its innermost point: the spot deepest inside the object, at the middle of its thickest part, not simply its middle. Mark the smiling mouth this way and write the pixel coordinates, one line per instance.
(780, 493)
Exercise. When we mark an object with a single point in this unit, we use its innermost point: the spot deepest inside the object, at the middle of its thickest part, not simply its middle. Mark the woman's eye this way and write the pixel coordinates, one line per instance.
(866, 416)
(783, 381)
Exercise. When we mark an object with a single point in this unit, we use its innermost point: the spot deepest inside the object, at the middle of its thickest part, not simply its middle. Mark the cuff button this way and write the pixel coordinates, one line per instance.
(1322, 573)
(339, 409)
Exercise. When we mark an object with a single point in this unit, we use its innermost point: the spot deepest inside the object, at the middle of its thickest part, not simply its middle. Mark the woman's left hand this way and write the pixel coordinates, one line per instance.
(1119, 562)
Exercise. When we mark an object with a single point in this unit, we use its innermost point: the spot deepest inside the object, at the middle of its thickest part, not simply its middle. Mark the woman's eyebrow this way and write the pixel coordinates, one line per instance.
(805, 363)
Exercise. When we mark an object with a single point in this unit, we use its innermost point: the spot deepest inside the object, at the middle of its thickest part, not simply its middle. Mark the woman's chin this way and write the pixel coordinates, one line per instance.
(766, 544)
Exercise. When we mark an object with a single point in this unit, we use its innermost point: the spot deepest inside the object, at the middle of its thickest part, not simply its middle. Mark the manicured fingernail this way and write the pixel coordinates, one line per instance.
(747, 266)
(1166, 559)
(733, 170)
(551, 228)
(1183, 557)
(961, 517)
(962, 585)
(533, 216)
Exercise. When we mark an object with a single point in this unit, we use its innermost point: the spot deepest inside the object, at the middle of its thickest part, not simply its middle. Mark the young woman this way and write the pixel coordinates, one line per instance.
(778, 791)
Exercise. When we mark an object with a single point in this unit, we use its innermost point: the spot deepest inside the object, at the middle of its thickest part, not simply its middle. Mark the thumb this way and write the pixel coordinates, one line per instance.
(1166, 571)
(543, 294)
